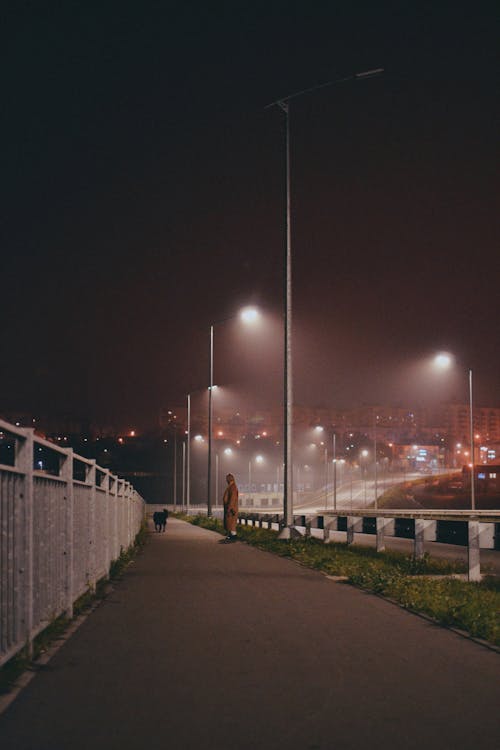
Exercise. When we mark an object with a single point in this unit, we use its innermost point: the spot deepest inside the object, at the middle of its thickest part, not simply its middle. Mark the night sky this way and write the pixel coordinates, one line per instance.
(143, 191)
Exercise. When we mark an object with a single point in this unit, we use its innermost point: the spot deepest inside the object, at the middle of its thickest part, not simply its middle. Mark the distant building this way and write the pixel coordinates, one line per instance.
(446, 425)
(487, 477)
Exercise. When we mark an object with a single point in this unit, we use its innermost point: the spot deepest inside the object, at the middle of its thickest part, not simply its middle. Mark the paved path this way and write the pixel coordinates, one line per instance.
(207, 646)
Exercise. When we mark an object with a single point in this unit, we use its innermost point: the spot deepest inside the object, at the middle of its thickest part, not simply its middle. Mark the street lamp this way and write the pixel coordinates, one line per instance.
(173, 425)
(188, 456)
(198, 439)
(334, 471)
(375, 417)
(444, 361)
(284, 105)
(364, 454)
(247, 315)
(259, 459)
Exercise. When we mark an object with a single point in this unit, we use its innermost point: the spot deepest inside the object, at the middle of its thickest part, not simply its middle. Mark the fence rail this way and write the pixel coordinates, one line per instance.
(63, 520)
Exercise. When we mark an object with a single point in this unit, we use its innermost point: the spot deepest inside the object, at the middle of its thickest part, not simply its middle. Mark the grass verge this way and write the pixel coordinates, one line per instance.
(472, 607)
(22, 661)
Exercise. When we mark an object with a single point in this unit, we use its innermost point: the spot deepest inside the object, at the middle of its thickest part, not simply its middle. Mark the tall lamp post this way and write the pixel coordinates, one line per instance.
(444, 361)
(248, 315)
(283, 104)
(334, 471)
(210, 414)
(188, 455)
(173, 425)
(375, 417)
(471, 425)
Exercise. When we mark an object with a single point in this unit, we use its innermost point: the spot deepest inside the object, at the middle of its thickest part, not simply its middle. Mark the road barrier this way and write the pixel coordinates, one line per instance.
(475, 529)
(63, 521)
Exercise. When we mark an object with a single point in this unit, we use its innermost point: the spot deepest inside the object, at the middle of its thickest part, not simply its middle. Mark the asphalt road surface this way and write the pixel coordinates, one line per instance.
(211, 646)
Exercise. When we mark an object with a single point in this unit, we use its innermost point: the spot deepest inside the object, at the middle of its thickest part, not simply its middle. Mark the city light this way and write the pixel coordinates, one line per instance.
(250, 314)
(443, 360)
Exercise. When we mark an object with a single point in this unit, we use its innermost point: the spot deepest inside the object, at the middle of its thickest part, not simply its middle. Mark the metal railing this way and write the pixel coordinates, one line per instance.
(63, 521)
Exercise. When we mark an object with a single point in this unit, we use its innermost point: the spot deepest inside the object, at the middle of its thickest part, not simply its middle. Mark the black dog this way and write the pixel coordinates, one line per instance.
(160, 519)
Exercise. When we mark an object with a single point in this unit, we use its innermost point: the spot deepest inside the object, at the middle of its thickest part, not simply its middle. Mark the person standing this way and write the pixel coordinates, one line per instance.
(230, 503)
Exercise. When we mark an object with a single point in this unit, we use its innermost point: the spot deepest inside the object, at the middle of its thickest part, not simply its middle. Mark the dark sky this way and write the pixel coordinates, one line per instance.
(143, 199)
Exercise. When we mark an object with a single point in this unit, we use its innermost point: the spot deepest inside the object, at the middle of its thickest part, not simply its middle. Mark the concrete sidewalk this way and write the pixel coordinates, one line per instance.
(207, 646)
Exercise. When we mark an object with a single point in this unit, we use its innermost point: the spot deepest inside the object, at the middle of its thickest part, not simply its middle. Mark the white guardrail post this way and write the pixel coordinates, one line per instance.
(474, 567)
(419, 538)
(381, 524)
(350, 529)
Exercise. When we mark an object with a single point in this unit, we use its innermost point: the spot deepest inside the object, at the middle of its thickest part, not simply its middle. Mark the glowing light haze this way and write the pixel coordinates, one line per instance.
(148, 202)
(443, 361)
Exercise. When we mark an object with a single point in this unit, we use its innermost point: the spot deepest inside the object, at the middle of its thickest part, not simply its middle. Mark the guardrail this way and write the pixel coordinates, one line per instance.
(63, 520)
(478, 529)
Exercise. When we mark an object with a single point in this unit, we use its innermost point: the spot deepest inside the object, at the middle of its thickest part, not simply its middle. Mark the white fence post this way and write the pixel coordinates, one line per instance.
(114, 519)
(91, 478)
(66, 473)
(130, 534)
(24, 462)
(106, 483)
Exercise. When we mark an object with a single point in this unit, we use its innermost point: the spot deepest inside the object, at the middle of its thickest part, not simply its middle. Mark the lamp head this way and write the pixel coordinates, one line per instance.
(250, 315)
(443, 361)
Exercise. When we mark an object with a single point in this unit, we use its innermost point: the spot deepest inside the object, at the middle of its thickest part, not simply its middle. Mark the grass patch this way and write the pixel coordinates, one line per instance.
(22, 661)
(472, 607)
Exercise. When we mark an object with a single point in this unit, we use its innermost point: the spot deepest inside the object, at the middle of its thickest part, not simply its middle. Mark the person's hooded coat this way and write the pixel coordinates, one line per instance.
(230, 502)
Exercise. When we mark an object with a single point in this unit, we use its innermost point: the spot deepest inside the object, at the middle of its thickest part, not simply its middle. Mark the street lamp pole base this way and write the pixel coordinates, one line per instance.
(289, 532)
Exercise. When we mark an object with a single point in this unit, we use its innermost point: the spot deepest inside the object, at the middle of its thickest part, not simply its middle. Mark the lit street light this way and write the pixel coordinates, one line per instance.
(364, 454)
(444, 361)
(248, 315)
(375, 457)
(197, 438)
(334, 471)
